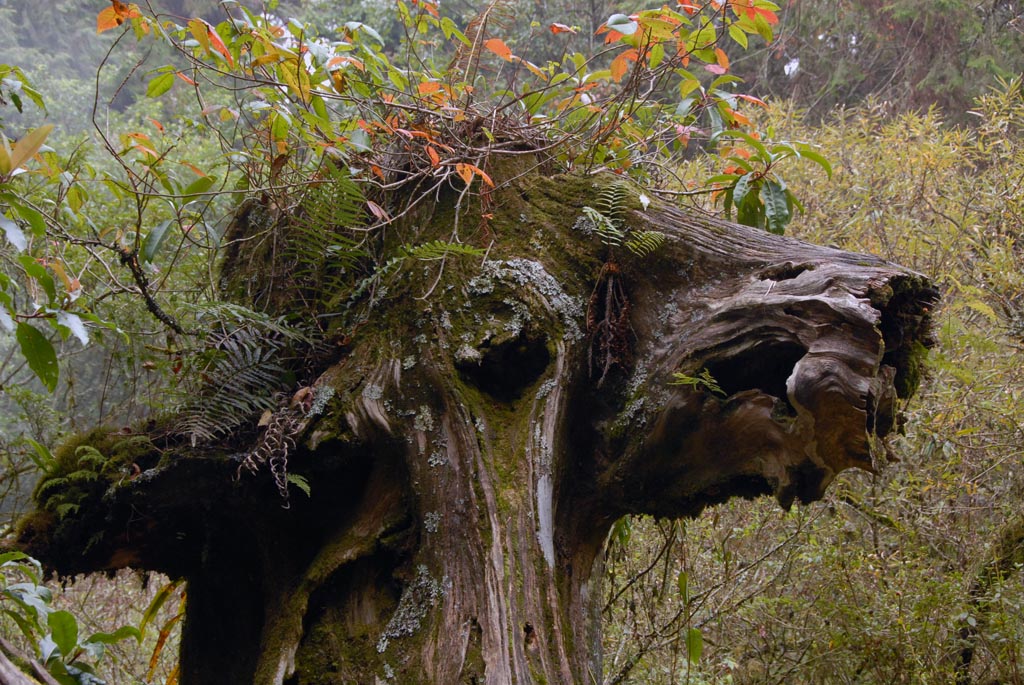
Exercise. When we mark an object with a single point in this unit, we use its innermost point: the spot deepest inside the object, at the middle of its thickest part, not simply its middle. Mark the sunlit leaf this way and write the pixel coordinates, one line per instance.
(74, 324)
(15, 236)
(29, 144)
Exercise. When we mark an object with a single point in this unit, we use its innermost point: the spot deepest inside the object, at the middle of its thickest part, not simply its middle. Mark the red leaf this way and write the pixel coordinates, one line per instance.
(768, 15)
(561, 28)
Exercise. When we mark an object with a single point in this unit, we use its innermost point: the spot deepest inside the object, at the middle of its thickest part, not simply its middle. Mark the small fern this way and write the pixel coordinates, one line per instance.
(434, 250)
(613, 201)
(702, 381)
(643, 243)
(439, 249)
(240, 373)
(609, 222)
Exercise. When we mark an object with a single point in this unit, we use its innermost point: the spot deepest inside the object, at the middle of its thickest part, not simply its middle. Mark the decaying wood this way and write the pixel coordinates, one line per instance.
(467, 472)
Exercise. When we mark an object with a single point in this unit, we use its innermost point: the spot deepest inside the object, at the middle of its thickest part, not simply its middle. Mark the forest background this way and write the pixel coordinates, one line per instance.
(908, 575)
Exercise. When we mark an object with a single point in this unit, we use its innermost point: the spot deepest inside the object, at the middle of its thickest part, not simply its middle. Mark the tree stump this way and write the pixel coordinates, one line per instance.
(473, 449)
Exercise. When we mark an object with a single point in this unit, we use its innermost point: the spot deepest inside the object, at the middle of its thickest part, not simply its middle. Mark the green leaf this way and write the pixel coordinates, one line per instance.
(122, 633)
(657, 55)
(806, 151)
(198, 187)
(160, 85)
(279, 127)
(776, 207)
(158, 601)
(12, 556)
(25, 624)
(738, 35)
(694, 644)
(39, 353)
(300, 482)
(35, 219)
(64, 631)
(42, 457)
(739, 193)
(683, 583)
(319, 108)
(40, 274)
(154, 239)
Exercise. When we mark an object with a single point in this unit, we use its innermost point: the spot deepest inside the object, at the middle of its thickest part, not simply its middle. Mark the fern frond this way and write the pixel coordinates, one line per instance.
(62, 510)
(241, 375)
(643, 243)
(613, 201)
(439, 249)
(703, 381)
(436, 249)
(87, 454)
(605, 228)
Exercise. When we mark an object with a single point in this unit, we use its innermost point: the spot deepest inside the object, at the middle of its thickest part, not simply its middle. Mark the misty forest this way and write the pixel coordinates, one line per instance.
(566, 341)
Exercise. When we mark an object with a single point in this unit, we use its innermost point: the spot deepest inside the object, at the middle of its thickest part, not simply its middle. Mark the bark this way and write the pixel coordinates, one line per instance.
(480, 443)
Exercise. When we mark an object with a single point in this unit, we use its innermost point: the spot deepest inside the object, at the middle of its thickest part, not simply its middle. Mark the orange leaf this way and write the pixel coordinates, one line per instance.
(466, 172)
(159, 126)
(115, 15)
(722, 58)
(218, 45)
(498, 47)
(146, 150)
(620, 65)
(107, 19)
(561, 28)
(435, 159)
(429, 87)
(184, 78)
(751, 98)
(739, 118)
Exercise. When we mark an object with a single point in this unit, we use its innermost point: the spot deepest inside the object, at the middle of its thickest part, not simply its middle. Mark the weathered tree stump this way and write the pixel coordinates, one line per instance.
(480, 443)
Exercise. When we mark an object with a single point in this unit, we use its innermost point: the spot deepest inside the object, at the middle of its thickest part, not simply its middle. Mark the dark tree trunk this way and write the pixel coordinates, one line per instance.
(481, 442)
